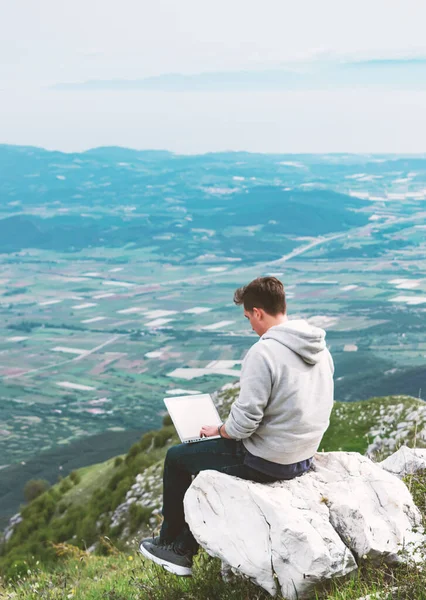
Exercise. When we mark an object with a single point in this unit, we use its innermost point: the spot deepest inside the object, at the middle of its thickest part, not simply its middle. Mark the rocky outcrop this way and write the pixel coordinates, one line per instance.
(394, 424)
(13, 522)
(146, 492)
(406, 461)
(293, 534)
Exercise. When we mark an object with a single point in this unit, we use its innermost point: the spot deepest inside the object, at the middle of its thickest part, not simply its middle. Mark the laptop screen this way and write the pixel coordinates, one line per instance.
(190, 413)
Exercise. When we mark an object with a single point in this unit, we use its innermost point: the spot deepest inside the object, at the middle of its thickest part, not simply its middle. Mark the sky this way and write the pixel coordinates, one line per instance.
(202, 75)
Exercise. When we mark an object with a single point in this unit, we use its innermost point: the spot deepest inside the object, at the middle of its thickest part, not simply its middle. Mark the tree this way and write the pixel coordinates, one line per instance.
(34, 488)
(75, 477)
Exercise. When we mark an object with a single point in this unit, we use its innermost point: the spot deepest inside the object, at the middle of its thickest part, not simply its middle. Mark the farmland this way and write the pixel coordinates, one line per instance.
(114, 296)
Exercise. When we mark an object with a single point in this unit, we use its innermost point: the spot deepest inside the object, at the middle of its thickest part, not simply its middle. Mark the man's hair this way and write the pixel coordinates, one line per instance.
(263, 292)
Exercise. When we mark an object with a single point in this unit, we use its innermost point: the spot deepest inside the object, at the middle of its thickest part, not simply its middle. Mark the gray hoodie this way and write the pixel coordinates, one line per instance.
(286, 394)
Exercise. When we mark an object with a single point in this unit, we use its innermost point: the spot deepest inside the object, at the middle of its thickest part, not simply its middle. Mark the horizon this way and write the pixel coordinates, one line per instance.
(340, 154)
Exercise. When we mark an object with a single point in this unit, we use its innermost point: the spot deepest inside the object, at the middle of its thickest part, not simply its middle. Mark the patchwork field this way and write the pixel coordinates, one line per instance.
(124, 293)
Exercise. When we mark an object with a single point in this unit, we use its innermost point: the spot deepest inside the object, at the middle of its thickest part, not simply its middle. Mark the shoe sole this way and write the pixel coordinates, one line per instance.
(167, 566)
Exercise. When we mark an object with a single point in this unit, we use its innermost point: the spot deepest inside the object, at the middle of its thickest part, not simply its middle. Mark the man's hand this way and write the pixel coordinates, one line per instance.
(209, 430)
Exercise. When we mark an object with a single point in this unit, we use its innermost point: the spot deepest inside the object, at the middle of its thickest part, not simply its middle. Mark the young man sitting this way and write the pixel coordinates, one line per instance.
(274, 427)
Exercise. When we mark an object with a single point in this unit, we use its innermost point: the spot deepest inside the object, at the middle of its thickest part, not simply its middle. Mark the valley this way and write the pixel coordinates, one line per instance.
(118, 267)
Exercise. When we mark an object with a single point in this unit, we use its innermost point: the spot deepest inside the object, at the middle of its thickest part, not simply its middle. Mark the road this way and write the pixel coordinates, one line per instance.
(297, 252)
(63, 362)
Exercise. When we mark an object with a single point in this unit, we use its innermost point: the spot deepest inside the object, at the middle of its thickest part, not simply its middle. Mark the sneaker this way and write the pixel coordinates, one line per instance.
(167, 556)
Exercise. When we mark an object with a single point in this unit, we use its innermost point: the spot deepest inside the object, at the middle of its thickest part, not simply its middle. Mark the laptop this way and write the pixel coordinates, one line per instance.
(190, 413)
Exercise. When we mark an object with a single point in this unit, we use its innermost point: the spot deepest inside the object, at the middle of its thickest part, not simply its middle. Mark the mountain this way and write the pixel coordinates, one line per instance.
(116, 196)
(399, 72)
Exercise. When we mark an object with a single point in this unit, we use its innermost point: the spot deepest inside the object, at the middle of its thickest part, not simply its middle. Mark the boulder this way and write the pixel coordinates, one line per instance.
(8, 532)
(405, 461)
(293, 534)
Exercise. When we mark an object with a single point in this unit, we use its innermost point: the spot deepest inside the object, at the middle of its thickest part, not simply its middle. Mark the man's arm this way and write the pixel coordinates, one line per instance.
(256, 379)
(224, 433)
(247, 410)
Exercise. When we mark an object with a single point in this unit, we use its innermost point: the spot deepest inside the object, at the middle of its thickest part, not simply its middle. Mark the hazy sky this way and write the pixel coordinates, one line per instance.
(48, 42)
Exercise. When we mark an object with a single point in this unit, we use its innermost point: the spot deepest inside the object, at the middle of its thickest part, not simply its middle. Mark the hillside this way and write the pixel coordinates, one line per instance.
(71, 515)
(120, 499)
(62, 459)
(159, 189)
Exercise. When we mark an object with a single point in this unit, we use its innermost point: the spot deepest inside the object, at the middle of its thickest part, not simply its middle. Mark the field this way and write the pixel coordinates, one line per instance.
(65, 373)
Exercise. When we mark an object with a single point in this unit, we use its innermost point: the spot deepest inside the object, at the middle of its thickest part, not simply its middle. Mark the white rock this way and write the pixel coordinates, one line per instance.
(388, 419)
(414, 415)
(379, 595)
(401, 435)
(405, 461)
(220, 508)
(13, 522)
(403, 425)
(373, 513)
(307, 529)
(371, 449)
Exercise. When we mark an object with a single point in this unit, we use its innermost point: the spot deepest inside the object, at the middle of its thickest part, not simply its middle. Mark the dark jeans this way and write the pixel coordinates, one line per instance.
(185, 460)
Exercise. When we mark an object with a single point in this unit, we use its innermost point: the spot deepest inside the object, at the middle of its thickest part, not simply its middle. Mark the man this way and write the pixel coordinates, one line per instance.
(274, 427)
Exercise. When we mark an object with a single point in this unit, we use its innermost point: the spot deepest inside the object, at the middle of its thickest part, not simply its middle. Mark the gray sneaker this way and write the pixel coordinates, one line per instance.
(167, 556)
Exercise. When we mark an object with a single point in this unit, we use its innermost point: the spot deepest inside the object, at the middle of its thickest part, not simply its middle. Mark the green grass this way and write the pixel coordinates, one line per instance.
(93, 477)
(122, 576)
(128, 576)
(351, 421)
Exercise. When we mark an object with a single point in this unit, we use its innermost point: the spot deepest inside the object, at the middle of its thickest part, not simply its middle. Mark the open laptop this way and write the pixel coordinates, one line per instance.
(190, 413)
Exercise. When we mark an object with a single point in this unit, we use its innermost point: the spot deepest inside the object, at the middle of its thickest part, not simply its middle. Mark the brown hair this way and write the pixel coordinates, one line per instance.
(263, 292)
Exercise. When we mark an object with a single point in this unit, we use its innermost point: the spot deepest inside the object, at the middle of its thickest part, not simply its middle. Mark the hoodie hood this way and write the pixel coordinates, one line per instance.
(304, 339)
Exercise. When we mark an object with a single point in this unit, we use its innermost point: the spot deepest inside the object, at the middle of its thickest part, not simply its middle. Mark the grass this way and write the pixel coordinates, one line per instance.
(128, 576)
(92, 478)
(120, 576)
(351, 421)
